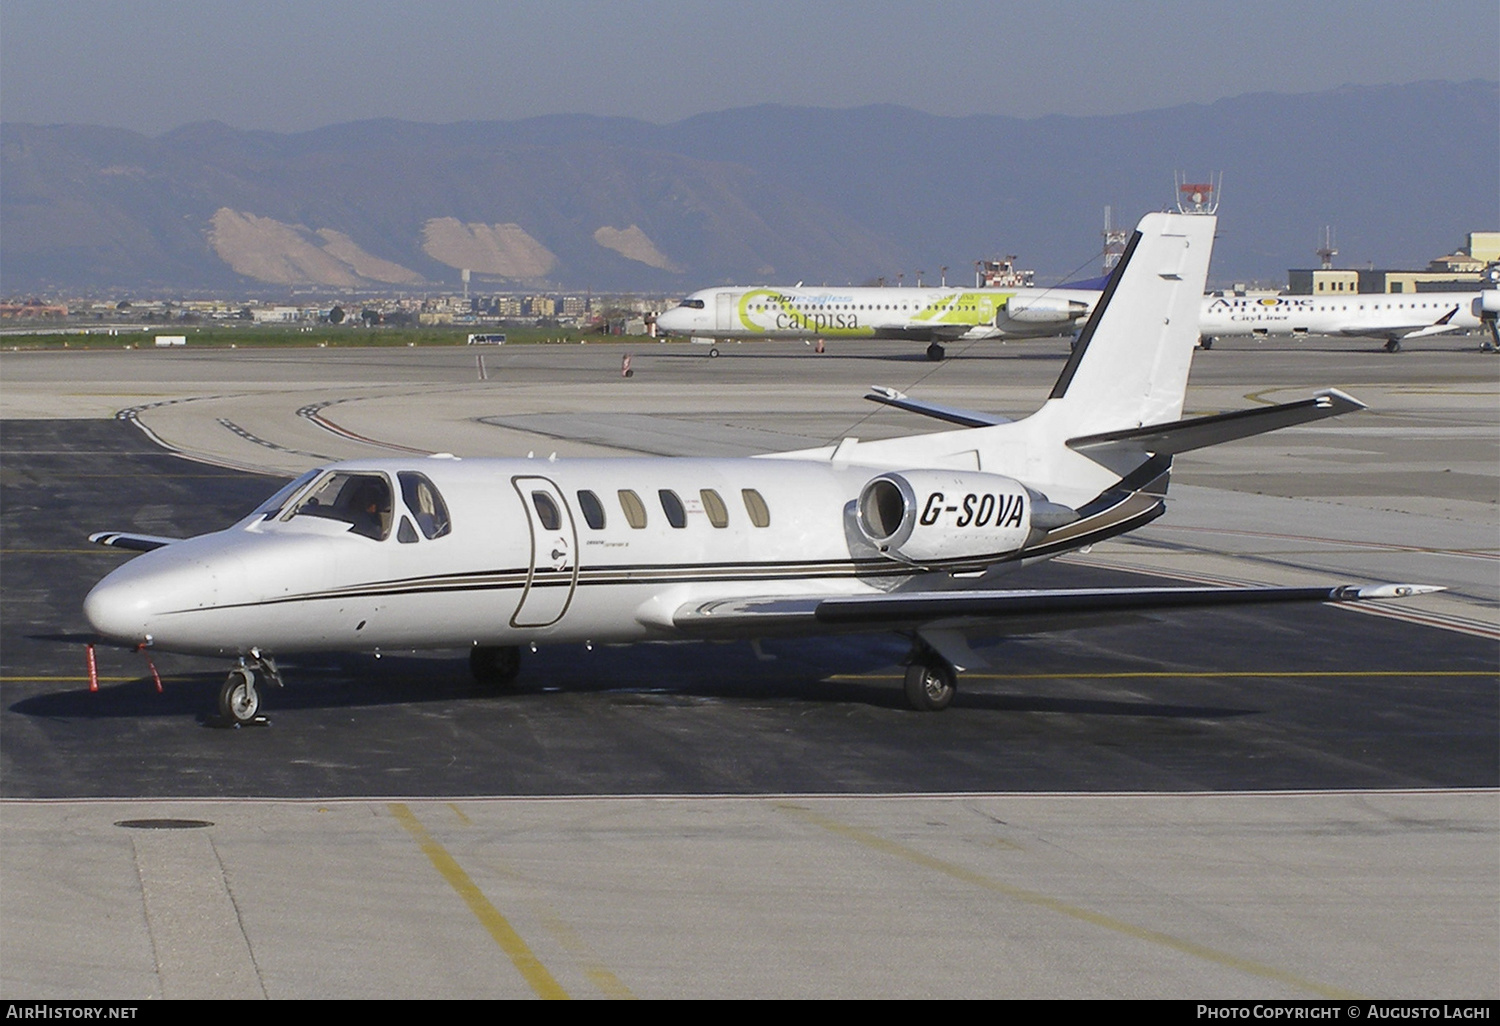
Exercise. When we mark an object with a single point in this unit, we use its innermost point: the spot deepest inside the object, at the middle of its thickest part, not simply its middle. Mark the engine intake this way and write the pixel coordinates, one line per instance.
(928, 517)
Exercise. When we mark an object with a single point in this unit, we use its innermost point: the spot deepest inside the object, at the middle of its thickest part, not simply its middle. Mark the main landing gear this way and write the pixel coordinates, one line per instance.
(931, 681)
(1206, 342)
(935, 352)
(239, 698)
(1393, 345)
(495, 666)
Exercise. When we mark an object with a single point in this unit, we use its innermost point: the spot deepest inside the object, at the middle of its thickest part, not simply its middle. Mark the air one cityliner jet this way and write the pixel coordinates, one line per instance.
(906, 535)
(1395, 317)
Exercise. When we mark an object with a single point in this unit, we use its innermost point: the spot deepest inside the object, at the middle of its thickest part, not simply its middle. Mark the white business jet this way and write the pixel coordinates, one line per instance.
(931, 315)
(900, 535)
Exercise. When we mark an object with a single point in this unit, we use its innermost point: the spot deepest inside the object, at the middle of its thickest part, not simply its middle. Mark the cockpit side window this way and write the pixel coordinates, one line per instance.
(426, 504)
(361, 500)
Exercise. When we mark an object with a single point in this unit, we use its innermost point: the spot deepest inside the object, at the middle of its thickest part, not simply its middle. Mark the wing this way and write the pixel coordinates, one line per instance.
(133, 542)
(1024, 611)
(1399, 332)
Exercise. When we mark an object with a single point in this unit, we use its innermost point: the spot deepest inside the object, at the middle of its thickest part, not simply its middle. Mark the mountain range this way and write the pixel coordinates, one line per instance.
(760, 194)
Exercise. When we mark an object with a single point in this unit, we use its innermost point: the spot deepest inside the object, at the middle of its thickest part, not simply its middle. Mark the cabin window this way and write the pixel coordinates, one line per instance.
(425, 503)
(718, 514)
(546, 511)
(593, 510)
(363, 501)
(671, 505)
(760, 513)
(634, 508)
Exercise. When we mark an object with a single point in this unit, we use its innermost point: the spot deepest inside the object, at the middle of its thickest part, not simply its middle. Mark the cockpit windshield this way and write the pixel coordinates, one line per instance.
(275, 503)
(692, 304)
(362, 500)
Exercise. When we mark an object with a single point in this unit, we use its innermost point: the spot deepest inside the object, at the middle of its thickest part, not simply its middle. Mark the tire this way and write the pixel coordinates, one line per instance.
(713, 353)
(495, 666)
(239, 698)
(936, 352)
(930, 687)
(1393, 346)
(1206, 343)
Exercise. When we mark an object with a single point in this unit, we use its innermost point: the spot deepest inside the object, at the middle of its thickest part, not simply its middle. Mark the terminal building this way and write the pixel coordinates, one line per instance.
(1462, 271)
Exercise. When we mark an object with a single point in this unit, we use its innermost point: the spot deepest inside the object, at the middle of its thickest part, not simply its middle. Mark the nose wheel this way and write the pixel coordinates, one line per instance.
(239, 698)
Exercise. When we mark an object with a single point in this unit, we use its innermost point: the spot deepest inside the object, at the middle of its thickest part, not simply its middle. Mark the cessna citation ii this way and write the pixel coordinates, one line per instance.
(932, 315)
(1395, 317)
(902, 535)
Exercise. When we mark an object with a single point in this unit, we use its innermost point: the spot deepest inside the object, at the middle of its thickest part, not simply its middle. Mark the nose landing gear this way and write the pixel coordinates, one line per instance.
(239, 698)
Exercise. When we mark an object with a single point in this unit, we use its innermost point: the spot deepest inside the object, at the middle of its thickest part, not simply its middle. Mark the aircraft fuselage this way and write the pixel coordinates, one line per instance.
(535, 550)
(912, 313)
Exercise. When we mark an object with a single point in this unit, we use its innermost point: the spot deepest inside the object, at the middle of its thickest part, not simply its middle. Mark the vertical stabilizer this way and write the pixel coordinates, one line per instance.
(1130, 366)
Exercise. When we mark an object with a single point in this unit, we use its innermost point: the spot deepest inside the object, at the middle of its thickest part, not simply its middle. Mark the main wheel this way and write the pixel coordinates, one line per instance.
(495, 666)
(713, 353)
(930, 687)
(936, 352)
(1393, 346)
(239, 700)
(1205, 343)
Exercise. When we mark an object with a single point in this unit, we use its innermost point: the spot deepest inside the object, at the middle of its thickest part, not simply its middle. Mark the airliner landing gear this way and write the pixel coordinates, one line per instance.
(239, 698)
(931, 682)
(936, 352)
(1393, 345)
(1206, 342)
(495, 666)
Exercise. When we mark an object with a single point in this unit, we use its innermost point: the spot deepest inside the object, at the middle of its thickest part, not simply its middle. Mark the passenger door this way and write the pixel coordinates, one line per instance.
(553, 575)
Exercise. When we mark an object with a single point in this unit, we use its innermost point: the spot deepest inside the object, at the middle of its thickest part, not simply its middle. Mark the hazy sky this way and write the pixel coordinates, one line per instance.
(286, 65)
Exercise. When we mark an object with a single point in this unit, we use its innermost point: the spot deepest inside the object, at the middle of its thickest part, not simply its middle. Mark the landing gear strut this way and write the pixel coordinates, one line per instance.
(931, 682)
(239, 698)
(936, 352)
(495, 666)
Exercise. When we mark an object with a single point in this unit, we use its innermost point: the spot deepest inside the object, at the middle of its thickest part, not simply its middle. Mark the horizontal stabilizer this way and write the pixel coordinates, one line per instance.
(1056, 609)
(133, 542)
(951, 414)
(1198, 432)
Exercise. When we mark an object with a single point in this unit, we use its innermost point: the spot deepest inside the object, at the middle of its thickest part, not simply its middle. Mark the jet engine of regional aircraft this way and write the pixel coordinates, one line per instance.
(1045, 310)
(934, 517)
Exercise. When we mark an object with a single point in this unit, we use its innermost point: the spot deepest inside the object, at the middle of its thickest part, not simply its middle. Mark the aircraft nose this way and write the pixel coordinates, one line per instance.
(671, 321)
(117, 611)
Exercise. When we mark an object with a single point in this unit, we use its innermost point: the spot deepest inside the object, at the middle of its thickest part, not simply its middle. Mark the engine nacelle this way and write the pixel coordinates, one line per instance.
(937, 516)
(1487, 306)
(1044, 309)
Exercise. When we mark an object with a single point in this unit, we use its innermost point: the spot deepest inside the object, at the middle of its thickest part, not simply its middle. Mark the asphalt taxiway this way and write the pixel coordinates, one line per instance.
(1261, 803)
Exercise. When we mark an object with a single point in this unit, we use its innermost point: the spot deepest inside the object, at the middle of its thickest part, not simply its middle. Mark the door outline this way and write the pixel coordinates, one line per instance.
(553, 554)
